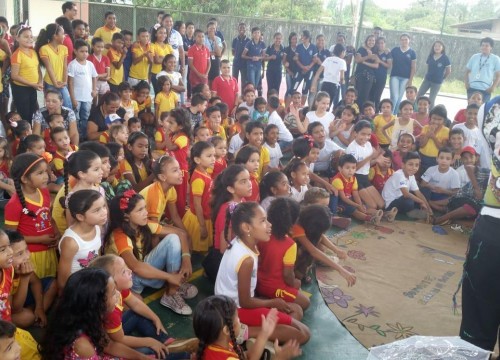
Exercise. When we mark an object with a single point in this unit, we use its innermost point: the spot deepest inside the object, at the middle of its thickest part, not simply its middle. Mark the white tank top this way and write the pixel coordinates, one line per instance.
(87, 250)
(399, 129)
(227, 277)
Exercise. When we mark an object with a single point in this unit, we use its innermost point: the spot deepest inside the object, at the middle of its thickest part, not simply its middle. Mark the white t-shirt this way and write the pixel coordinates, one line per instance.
(275, 155)
(333, 65)
(174, 76)
(474, 138)
(462, 174)
(87, 250)
(393, 185)
(360, 153)
(250, 108)
(325, 120)
(235, 144)
(447, 180)
(283, 133)
(82, 79)
(325, 155)
(227, 277)
(296, 194)
(176, 42)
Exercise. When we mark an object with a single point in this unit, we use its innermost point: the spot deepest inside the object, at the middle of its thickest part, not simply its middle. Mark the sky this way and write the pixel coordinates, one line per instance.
(393, 4)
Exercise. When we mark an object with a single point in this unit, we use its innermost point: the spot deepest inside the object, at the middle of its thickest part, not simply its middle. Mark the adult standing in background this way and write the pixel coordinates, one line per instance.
(483, 71)
(106, 32)
(69, 10)
(274, 58)
(174, 38)
(438, 69)
(188, 40)
(404, 65)
(219, 34)
(214, 44)
(159, 17)
(237, 47)
(377, 32)
(291, 66)
(304, 59)
(384, 64)
(367, 61)
(68, 35)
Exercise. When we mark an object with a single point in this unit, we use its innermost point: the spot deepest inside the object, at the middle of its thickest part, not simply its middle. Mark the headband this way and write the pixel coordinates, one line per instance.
(22, 27)
(32, 165)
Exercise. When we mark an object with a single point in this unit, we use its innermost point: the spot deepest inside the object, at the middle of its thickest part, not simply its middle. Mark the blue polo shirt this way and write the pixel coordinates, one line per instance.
(255, 49)
(322, 55)
(306, 54)
(238, 46)
(290, 54)
(401, 62)
(381, 71)
(275, 65)
(482, 70)
(219, 34)
(435, 68)
(360, 68)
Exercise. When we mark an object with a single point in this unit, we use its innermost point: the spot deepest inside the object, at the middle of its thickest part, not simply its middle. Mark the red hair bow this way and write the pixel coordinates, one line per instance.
(127, 195)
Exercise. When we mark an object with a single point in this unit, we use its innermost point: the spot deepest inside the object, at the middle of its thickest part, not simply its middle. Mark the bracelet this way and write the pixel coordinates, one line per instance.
(186, 254)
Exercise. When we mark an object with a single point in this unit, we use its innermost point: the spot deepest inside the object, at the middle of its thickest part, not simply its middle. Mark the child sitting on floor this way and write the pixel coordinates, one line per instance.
(440, 182)
(379, 173)
(276, 277)
(457, 139)
(401, 191)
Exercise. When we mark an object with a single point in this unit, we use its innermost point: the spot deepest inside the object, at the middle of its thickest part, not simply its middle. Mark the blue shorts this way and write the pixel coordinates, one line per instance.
(46, 283)
(345, 209)
(363, 181)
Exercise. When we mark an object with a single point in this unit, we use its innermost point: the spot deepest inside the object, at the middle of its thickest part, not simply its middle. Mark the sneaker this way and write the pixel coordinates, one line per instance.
(417, 214)
(176, 303)
(375, 219)
(390, 215)
(187, 291)
(184, 345)
(341, 222)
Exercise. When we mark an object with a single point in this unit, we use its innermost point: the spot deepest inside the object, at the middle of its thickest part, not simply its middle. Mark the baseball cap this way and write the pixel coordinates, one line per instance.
(113, 119)
(468, 149)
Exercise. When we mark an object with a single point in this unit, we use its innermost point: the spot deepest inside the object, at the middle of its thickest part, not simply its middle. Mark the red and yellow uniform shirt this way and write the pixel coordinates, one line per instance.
(113, 321)
(201, 186)
(156, 199)
(119, 242)
(339, 182)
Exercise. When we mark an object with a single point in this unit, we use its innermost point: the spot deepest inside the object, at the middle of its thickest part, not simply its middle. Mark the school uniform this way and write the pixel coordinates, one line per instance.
(379, 122)
(117, 76)
(306, 55)
(447, 180)
(160, 50)
(341, 183)
(332, 66)
(377, 178)
(140, 70)
(275, 155)
(57, 59)
(361, 152)
(181, 155)
(200, 56)
(392, 195)
(157, 199)
(254, 68)
(434, 76)
(226, 89)
(106, 34)
(400, 74)
(429, 152)
(21, 93)
(166, 102)
(101, 65)
(274, 71)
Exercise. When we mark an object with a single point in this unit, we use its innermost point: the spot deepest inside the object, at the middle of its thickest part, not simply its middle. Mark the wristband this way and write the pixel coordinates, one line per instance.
(186, 254)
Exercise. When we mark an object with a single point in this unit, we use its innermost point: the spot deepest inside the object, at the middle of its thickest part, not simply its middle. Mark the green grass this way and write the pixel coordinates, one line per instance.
(456, 87)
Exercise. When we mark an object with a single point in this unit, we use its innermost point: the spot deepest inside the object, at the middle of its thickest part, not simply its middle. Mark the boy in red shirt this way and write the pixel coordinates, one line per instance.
(198, 60)
(225, 86)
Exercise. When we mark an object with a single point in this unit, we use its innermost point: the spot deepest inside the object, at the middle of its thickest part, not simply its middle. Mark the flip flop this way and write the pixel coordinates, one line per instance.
(439, 230)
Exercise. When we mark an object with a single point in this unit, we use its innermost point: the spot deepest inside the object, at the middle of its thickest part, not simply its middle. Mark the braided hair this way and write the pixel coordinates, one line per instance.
(210, 317)
(242, 213)
(22, 167)
(77, 161)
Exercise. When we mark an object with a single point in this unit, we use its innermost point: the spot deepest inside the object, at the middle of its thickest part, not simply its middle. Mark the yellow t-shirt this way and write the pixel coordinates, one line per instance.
(141, 69)
(57, 59)
(265, 159)
(116, 76)
(379, 123)
(166, 102)
(160, 50)
(58, 212)
(290, 255)
(131, 108)
(125, 168)
(430, 149)
(106, 34)
(28, 65)
(157, 200)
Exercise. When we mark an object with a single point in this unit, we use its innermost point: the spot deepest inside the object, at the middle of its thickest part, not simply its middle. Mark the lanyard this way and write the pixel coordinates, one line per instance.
(481, 65)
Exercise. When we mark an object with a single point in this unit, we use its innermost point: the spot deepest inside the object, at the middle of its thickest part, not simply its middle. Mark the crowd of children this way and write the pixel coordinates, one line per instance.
(107, 190)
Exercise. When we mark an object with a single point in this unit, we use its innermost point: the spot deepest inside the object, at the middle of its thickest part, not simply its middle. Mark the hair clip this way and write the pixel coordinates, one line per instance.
(26, 211)
(13, 123)
(124, 201)
(232, 205)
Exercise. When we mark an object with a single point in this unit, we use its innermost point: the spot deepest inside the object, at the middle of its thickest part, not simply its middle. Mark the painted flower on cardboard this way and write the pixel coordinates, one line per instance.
(356, 254)
(400, 331)
(336, 296)
(367, 311)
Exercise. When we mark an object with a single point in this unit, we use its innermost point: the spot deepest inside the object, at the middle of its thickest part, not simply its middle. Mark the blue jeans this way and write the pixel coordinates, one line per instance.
(334, 201)
(434, 90)
(166, 256)
(254, 73)
(64, 93)
(403, 205)
(397, 85)
(82, 113)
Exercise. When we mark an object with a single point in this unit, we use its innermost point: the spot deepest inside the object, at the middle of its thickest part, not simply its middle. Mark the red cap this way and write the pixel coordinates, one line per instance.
(468, 149)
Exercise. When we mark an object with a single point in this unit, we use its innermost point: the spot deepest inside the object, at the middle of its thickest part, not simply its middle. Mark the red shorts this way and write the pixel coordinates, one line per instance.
(285, 292)
(252, 317)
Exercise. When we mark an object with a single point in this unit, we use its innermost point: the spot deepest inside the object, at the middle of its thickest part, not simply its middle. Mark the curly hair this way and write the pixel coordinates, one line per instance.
(283, 214)
(83, 306)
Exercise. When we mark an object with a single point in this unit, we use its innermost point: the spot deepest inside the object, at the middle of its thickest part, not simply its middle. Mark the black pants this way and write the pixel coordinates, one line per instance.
(377, 90)
(403, 205)
(214, 68)
(363, 87)
(211, 263)
(114, 88)
(240, 69)
(333, 91)
(481, 287)
(273, 77)
(25, 100)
